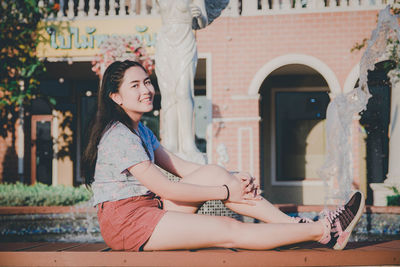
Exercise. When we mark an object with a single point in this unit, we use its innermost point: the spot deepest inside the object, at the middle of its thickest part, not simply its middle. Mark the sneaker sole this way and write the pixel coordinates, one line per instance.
(351, 226)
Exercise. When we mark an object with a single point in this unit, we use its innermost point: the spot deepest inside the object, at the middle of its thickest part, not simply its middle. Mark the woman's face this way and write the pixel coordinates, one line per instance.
(136, 93)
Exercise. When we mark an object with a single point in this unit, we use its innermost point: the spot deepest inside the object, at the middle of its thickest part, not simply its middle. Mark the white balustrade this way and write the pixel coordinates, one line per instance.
(88, 8)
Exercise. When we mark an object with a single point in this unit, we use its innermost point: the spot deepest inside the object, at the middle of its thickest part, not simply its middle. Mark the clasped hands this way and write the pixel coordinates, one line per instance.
(244, 189)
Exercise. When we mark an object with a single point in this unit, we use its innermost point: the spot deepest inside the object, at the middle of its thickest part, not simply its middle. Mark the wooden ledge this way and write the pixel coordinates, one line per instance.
(75, 254)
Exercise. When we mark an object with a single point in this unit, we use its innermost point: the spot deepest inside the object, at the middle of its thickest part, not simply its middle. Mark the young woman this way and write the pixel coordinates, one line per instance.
(140, 209)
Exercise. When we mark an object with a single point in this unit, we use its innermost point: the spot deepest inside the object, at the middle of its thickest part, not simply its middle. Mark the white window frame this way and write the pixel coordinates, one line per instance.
(274, 180)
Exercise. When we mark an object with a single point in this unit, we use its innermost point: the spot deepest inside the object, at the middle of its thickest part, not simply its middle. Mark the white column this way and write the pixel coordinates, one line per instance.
(286, 4)
(111, 11)
(364, 3)
(60, 12)
(143, 8)
(154, 7)
(70, 12)
(393, 176)
(133, 8)
(311, 4)
(81, 8)
(275, 5)
(91, 8)
(264, 5)
(354, 3)
(102, 6)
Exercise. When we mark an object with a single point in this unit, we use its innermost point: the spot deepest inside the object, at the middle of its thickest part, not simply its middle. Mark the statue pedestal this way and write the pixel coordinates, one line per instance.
(382, 190)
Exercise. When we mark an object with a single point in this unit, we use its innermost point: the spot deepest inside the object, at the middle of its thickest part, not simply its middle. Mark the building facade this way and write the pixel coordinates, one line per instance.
(266, 73)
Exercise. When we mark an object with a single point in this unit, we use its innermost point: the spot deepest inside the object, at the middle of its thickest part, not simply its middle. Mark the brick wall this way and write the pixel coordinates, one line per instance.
(241, 46)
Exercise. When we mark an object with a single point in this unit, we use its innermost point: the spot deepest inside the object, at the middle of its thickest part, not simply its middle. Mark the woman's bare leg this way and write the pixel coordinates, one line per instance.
(263, 210)
(178, 230)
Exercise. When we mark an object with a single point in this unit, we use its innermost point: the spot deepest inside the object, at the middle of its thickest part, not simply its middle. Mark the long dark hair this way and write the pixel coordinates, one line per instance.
(107, 112)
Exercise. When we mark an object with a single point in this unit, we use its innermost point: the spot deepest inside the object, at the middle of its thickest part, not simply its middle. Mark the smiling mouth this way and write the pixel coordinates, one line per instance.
(146, 100)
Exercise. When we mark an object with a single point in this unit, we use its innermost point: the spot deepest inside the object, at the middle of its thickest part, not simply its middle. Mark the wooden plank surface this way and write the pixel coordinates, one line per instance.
(186, 258)
(59, 246)
(17, 246)
(89, 247)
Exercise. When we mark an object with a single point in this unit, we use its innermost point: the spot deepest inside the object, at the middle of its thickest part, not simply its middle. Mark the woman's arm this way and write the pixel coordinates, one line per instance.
(152, 178)
(180, 168)
(174, 164)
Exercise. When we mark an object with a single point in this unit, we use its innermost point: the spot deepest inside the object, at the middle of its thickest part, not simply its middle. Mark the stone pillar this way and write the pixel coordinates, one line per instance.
(382, 190)
(393, 176)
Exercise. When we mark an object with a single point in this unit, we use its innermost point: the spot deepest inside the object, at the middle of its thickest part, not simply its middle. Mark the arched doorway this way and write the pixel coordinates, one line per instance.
(294, 98)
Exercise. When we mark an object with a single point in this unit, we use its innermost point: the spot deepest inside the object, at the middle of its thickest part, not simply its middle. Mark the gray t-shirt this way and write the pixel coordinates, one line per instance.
(118, 150)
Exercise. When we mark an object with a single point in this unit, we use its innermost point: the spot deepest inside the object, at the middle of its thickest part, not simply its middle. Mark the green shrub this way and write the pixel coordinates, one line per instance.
(395, 199)
(39, 194)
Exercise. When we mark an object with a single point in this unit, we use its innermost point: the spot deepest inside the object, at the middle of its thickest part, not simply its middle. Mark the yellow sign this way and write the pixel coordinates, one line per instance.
(82, 38)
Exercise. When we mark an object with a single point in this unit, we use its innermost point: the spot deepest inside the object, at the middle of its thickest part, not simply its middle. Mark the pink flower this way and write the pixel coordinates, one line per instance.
(121, 48)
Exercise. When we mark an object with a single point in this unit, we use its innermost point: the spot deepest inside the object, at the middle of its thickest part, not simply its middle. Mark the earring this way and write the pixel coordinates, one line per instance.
(120, 104)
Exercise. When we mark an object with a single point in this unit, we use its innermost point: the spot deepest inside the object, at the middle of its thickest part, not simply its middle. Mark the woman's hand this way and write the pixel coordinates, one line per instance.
(252, 188)
(239, 192)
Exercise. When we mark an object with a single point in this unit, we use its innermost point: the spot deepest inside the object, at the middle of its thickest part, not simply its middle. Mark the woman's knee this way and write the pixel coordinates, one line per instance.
(217, 169)
(218, 173)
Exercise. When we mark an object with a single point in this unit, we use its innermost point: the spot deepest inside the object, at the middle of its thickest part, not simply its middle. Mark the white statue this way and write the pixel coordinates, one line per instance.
(176, 61)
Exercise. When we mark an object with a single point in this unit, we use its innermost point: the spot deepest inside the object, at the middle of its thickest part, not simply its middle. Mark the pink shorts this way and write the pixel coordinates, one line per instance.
(127, 224)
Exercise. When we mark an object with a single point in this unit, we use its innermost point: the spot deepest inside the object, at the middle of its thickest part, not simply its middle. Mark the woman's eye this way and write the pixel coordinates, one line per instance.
(135, 86)
(147, 82)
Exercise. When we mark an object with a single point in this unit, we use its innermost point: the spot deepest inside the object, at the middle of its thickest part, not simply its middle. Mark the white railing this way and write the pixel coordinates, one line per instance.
(69, 9)
(263, 7)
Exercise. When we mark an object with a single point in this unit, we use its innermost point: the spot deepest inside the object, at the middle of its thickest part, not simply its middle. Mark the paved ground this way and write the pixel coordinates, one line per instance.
(98, 254)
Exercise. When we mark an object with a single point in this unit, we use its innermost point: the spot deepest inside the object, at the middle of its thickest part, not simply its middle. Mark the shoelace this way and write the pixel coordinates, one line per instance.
(346, 217)
(332, 215)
